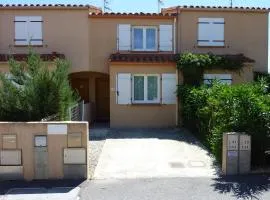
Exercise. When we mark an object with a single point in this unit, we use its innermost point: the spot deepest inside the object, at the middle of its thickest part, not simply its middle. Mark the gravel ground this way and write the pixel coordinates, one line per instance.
(95, 151)
(97, 139)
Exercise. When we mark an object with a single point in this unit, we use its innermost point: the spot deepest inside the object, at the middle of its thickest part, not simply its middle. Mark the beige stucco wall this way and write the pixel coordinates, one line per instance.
(147, 116)
(64, 30)
(103, 37)
(26, 131)
(245, 32)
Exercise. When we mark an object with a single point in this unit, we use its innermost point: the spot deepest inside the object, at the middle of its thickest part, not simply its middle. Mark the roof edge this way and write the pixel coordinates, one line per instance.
(49, 6)
(174, 9)
(131, 15)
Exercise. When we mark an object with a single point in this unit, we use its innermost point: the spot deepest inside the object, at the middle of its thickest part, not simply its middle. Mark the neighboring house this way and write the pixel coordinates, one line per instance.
(123, 64)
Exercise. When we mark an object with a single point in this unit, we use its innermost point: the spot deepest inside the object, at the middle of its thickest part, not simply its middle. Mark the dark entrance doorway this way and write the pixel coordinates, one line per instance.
(82, 86)
(102, 100)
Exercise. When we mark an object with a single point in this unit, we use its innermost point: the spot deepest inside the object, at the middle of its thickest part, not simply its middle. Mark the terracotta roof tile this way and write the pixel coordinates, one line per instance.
(238, 8)
(49, 5)
(164, 58)
(23, 57)
(239, 57)
(146, 57)
(112, 14)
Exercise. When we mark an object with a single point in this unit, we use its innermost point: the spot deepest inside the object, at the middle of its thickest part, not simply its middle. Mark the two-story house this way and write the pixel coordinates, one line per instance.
(123, 64)
(137, 53)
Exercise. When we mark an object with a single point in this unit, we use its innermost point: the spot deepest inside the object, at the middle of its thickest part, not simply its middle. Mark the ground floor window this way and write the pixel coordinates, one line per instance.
(223, 78)
(146, 88)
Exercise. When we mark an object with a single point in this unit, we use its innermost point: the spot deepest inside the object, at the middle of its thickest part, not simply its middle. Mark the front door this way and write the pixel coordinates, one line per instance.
(82, 86)
(102, 99)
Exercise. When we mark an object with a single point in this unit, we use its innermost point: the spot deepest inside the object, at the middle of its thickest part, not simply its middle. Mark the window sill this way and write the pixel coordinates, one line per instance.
(138, 51)
(198, 46)
(29, 45)
(146, 104)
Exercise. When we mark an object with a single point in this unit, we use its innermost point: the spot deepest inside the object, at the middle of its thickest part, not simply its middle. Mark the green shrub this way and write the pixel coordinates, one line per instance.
(211, 111)
(31, 91)
(263, 76)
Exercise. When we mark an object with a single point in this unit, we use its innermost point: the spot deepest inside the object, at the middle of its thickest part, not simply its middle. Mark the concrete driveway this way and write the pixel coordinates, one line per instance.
(153, 153)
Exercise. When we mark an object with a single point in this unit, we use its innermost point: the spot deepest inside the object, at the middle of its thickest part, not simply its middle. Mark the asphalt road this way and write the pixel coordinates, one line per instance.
(241, 187)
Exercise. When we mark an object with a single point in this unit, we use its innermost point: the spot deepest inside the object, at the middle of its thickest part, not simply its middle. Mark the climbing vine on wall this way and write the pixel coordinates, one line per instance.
(193, 65)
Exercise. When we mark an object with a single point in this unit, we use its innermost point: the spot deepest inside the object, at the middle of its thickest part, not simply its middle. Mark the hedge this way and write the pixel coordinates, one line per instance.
(211, 111)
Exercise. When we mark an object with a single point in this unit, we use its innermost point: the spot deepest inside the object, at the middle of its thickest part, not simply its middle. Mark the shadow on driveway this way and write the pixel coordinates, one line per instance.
(243, 187)
(179, 134)
(36, 187)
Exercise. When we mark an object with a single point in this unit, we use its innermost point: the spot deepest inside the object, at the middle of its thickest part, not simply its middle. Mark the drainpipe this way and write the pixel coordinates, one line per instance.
(178, 73)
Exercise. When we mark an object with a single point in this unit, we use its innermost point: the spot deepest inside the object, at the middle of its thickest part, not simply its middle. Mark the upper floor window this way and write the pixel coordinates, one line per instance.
(28, 30)
(211, 32)
(145, 38)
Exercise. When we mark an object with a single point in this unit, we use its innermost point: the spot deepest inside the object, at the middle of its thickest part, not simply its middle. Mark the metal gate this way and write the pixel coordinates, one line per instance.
(76, 112)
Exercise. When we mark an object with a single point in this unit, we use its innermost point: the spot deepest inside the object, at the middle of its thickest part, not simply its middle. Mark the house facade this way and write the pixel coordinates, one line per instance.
(123, 64)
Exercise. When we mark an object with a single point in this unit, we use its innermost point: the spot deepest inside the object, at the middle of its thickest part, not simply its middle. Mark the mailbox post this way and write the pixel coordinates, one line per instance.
(244, 154)
(230, 153)
(236, 153)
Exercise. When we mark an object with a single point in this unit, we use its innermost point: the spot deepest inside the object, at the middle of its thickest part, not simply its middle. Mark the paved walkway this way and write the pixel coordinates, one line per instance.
(153, 153)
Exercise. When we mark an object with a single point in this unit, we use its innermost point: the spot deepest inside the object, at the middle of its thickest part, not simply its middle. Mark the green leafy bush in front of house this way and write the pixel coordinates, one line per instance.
(193, 65)
(263, 76)
(211, 111)
(31, 91)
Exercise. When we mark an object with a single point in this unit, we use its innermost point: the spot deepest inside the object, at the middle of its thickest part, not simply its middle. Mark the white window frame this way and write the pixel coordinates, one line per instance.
(144, 38)
(29, 40)
(145, 89)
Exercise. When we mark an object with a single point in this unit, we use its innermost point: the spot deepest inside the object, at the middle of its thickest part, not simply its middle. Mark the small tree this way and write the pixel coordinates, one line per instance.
(31, 91)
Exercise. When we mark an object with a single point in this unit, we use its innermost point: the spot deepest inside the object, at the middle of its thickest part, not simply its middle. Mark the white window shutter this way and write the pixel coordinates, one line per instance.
(123, 88)
(217, 27)
(204, 32)
(21, 30)
(124, 37)
(211, 32)
(35, 30)
(169, 86)
(165, 37)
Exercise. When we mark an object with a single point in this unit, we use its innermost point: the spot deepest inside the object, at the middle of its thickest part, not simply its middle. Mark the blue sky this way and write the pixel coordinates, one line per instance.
(144, 5)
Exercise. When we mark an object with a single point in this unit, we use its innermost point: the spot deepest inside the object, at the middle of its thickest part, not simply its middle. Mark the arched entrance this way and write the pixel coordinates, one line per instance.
(94, 89)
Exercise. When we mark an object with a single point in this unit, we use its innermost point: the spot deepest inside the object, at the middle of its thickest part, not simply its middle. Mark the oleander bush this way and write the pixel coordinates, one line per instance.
(263, 76)
(211, 111)
(31, 91)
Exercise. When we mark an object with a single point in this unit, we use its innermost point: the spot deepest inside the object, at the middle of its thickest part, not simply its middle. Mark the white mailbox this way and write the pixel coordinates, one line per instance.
(75, 156)
(11, 157)
(40, 141)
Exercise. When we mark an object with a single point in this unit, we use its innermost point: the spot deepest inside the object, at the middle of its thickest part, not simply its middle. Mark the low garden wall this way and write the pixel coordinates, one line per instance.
(43, 150)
